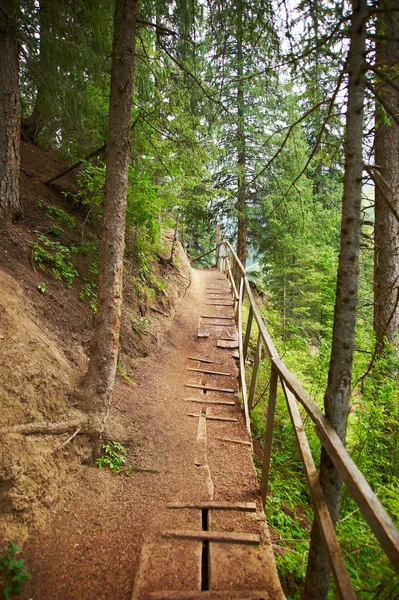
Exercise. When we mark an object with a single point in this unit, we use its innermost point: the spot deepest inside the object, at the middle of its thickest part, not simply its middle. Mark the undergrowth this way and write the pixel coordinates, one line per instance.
(115, 457)
(12, 571)
(373, 441)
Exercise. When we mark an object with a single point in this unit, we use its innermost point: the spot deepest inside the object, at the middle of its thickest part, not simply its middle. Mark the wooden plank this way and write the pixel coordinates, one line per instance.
(201, 332)
(254, 376)
(204, 360)
(233, 441)
(218, 304)
(225, 537)
(218, 246)
(213, 417)
(201, 401)
(215, 324)
(210, 372)
(240, 506)
(220, 322)
(235, 295)
(270, 348)
(248, 332)
(197, 595)
(326, 527)
(223, 343)
(232, 338)
(200, 454)
(380, 522)
(210, 388)
(221, 317)
(242, 381)
(271, 409)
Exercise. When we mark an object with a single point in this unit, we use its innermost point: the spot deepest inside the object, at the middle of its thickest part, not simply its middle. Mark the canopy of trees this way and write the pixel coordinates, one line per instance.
(277, 121)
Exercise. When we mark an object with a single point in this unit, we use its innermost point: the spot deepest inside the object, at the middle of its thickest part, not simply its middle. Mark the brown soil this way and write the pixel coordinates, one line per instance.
(82, 527)
(44, 340)
(91, 548)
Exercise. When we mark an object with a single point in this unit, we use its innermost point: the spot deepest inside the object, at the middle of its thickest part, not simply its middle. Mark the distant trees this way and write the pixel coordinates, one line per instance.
(10, 202)
(241, 44)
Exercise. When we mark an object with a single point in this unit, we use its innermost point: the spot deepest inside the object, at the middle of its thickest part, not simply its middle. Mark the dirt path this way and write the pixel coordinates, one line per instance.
(92, 549)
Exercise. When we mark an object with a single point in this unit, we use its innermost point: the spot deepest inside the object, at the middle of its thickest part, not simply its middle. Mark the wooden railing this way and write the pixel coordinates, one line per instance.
(368, 503)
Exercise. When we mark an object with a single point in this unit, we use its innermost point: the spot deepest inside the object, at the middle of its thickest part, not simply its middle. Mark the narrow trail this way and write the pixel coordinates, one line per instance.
(117, 538)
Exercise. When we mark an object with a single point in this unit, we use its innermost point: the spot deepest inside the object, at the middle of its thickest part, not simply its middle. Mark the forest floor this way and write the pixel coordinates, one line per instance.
(91, 548)
(88, 533)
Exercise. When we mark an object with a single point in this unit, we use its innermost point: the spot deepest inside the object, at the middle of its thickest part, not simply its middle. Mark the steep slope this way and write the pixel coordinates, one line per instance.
(45, 327)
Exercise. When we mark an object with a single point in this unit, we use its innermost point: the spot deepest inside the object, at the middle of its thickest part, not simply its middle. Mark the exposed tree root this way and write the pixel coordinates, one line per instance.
(46, 428)
(75, 433)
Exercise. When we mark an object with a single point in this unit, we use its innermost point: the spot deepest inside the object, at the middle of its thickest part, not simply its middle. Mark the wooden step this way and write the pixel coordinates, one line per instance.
(213, 417)
(209, 372)
(210, 388)
(221, 537)
(209, 595)
(204, 360)
(203, 401)
(240, 506)
(227, 343)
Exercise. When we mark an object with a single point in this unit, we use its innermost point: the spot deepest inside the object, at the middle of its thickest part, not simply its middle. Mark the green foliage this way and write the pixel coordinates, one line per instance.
(12, 571)
(57, 256)
(139, 325)
(114, 456)
(121, 369)
(373, 441)
(89, 293)
(55, 212)
(91, 180)
(57, 231)
(42, 288)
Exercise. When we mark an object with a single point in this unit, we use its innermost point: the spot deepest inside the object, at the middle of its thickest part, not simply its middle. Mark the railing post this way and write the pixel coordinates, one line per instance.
(242, 382)
(218, 247)
(248, 332)
(254, 377)
(271, 409)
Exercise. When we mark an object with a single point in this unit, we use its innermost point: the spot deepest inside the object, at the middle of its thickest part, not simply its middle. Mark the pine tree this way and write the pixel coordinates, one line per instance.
(337, 396)
(10, 202)
(386, 225)
(98, 383)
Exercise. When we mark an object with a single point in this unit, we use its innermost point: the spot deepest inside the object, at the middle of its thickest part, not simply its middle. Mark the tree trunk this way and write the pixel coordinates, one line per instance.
(337, 396)
(33, 125)
(98, 383)
(386, 227)
(10, 203)
(241, 161)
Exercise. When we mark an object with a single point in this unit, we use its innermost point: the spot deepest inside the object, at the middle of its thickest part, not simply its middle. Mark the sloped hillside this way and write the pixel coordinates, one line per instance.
(47, 298)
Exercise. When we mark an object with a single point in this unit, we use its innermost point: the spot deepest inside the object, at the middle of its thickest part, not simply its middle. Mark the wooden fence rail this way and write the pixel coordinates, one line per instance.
(368, 503)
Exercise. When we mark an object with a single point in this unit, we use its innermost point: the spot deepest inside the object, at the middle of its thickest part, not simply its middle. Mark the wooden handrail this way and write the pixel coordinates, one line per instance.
(374, 513)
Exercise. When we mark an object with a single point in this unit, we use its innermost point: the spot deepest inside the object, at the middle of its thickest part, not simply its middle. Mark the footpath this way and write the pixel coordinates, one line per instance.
(192, 526)
(210, 540)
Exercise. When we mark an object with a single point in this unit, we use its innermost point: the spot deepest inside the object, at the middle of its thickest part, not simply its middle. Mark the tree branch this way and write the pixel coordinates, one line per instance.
(382, 183)
(384, 104)
(290, 128)
(77, 164)
(194, 78)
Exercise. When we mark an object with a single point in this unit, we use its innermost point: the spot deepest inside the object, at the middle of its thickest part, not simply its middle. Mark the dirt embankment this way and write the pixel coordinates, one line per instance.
(45, 328)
